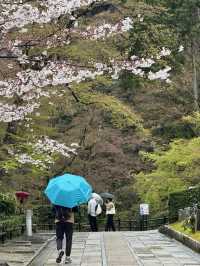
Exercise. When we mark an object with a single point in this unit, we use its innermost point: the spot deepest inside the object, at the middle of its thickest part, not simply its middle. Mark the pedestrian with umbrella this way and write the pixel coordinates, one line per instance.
(94, 209)
(66, 193)
(110, 211)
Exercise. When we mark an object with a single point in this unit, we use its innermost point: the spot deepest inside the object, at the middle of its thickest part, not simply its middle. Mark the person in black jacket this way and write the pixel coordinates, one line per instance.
(64, 219)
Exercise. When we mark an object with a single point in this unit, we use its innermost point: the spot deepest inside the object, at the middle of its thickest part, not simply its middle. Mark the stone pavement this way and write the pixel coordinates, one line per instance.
(19, 251)
(148, 248)
(153, 249)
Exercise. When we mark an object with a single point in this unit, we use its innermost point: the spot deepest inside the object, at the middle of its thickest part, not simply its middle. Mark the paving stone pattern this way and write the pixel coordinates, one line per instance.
(18, 252)
(148, 248)
(152, 249)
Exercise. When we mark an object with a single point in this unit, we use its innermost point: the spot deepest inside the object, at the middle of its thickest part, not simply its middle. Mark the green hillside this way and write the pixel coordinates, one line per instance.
(134, 115)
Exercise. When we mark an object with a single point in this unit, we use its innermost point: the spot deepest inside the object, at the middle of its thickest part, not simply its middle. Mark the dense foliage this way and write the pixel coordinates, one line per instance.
(183, 199)
(104, 89)
(175, 169)
(7, 205)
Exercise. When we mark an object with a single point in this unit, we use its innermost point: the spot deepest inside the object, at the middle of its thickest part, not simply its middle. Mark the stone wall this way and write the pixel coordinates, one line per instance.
(184, 239)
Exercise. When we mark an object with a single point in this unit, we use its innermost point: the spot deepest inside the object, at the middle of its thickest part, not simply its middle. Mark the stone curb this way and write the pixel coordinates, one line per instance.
(103, 251)
(39, 251)
(184, 239)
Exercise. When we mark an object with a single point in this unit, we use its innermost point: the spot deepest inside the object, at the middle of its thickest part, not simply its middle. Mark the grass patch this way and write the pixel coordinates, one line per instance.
(179, 227)
(81, 51)
(114, 111)
(34, 31)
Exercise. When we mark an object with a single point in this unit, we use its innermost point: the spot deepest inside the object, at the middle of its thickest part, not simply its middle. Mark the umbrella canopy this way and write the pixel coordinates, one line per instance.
(68, 190)
(98, 198)
(107, 195)
(22, 194)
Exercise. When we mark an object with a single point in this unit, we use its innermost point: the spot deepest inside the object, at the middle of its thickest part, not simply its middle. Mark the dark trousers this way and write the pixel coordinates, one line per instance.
(110, 223)
(93, 223)
(64, 228)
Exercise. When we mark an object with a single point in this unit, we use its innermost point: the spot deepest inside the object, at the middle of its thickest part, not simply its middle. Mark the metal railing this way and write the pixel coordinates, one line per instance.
(121, 225)
(9, 233)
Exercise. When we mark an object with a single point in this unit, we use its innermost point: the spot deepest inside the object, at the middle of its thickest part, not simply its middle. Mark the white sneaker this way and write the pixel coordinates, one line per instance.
(68, 260)
(59, 258)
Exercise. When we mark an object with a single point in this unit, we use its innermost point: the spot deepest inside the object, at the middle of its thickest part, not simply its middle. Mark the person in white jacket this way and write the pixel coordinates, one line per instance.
(110, 212)
(92, 216)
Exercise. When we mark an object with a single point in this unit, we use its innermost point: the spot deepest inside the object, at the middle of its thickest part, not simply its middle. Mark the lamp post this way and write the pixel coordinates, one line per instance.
(22, 196)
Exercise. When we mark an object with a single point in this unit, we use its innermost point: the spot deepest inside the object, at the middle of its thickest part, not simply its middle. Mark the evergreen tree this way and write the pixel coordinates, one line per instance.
(185, 15)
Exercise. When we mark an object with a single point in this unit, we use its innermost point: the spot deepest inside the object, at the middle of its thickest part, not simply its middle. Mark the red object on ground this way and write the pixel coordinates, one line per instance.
(22, 195)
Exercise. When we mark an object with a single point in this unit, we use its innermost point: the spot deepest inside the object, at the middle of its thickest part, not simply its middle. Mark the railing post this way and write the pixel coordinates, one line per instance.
(51, 226)
(130, 225)
(10, 234)
(79, 226)
(119, 224)
(79, 219)
(5, 233)
(141, 224)
(3, 238)
(22, 229)
(165, 220)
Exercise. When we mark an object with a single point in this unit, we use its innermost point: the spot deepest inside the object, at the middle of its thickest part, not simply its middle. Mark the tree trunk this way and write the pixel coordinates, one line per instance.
(195, 82)
(195, 47)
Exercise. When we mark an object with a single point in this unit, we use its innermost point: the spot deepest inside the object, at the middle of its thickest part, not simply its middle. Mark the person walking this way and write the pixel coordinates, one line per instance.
(64, 220)
(110, 212)
(92, 215)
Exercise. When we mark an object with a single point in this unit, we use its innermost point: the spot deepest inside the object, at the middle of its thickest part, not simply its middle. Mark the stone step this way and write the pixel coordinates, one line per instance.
(3, 263)
(18, 243)
(21, 242)
(17, 250)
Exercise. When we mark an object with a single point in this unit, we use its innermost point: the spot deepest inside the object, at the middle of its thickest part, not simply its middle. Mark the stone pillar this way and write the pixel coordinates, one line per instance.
(29, 214)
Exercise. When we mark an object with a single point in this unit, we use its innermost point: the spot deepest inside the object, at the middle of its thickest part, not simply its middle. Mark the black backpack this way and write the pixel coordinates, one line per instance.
(62, 213)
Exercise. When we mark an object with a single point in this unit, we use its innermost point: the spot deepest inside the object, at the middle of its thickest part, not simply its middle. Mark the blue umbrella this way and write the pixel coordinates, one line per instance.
(68, 190)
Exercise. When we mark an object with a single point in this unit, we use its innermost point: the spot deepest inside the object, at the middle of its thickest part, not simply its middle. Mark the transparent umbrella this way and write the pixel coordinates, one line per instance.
(98, 198)
(106, 195)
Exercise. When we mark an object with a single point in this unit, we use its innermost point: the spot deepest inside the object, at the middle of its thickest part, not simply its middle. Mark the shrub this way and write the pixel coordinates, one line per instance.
(182, 199)
(7, 205)
(43, 214)
(12, 224)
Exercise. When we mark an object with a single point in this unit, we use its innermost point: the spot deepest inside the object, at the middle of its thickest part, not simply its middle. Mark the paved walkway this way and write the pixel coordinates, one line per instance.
(19, 251)
(148, 248)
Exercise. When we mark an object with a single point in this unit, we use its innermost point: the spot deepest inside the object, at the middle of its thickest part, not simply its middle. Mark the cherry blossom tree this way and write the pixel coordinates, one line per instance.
(39, 76)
